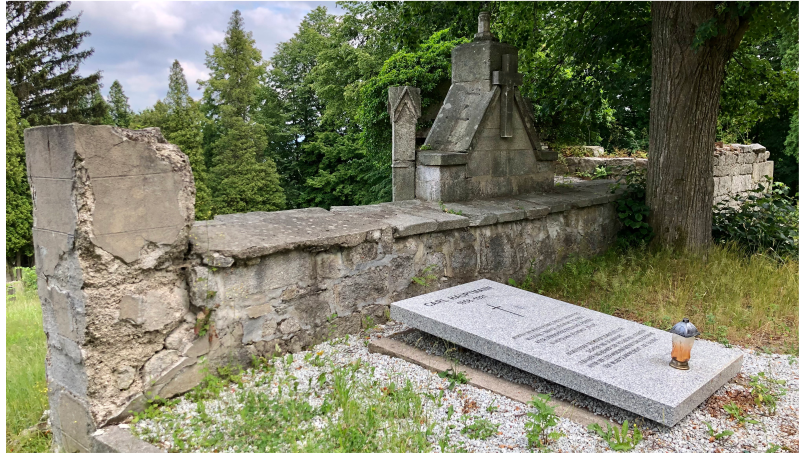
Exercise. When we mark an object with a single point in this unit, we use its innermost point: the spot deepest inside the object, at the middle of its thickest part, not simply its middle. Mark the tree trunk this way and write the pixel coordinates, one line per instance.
(683, 119)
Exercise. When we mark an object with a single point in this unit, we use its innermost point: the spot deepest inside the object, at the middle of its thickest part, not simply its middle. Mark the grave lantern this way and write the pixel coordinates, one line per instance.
(683, 334)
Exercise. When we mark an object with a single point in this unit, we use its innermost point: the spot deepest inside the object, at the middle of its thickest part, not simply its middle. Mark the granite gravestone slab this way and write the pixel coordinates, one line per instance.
(614, 360)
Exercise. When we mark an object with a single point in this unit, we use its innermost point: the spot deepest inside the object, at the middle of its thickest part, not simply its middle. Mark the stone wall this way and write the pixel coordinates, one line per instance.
(138, 300)
(737, 168)
(281, 281)
(112, 214)
(615, 166)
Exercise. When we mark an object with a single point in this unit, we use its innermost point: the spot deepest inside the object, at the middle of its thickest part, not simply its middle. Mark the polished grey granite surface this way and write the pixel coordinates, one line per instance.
(614, 360)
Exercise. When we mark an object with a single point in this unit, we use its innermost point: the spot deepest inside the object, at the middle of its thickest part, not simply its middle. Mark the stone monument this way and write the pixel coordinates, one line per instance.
(621, 362)
(483, 143)
(404, 107)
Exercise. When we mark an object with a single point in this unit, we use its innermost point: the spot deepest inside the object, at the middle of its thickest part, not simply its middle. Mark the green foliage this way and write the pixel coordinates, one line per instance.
(427, 68)
(538, 426)
(766, 391)
(29, 279)
(242, 178)
(600, 172)
(94, 109)
(19, 208)
(738, 414)
(662, 286)
(447, 210)
(586, 66)
(119, 109)
(26, 353)
(315, 84)
(618, 440)
(357, 413)
(42, 60)
(181, 123)
(481, 429)
(426, 276)
(764, 221)
(454, 377)
(717, 435)
(632, 209)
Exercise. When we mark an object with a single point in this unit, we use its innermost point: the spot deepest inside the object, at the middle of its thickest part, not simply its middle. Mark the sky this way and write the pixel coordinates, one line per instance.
(136, 42)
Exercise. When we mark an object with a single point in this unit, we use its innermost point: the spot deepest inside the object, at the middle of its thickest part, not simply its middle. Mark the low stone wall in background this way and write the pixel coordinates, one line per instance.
(738, 169)
(615, 166)
(139, 301)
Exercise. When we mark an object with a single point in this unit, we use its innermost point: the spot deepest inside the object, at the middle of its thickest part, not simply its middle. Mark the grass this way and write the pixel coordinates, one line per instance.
(732, 298)
(338, 408)
(26, 388)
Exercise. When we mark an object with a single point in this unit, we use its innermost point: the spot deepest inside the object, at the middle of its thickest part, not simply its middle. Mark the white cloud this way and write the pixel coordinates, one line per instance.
(208, 35)
(193, 73)
(135, 18)
(136, 42)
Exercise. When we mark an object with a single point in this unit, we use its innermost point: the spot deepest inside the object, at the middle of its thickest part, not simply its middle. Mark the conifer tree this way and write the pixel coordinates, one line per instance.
(42, 60)
(182, 126)
(119, 109)
(19, 210)
(242, 178)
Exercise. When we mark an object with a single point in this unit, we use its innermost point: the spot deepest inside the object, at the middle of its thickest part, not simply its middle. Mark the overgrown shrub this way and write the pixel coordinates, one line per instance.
(763, 221)
(632, 208)
(28, 277)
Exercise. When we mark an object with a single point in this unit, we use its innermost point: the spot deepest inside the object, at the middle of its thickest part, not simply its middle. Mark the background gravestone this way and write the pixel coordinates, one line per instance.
(112, 214)
(404, 106)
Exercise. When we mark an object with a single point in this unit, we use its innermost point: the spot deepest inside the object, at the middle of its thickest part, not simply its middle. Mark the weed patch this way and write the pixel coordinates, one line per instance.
(539, 428)
(619, 440)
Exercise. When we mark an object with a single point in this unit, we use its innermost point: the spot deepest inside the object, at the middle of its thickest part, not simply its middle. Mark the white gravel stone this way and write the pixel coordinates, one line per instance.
(690, 435)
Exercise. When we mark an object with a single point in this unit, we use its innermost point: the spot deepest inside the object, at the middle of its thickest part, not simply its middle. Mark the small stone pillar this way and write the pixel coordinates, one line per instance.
(404, 106)
(112, 211)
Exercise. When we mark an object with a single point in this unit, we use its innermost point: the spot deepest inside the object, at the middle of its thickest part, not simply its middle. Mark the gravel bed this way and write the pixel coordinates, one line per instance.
(691, 434)
(470, 403)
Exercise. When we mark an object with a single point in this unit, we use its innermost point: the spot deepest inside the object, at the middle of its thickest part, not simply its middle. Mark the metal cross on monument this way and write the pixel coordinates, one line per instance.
(507, 80)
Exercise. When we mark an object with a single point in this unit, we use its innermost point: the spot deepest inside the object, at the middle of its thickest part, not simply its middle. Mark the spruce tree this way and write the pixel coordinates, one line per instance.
(42, 60)
(182, 126)
(119, 109)
(242, 178)
(19, 210)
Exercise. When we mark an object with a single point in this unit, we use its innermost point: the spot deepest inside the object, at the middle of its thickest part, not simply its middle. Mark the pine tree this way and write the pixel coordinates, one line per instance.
(19, 210)
(119, 109)
(42, 60)
(242, 178)
(182, 126)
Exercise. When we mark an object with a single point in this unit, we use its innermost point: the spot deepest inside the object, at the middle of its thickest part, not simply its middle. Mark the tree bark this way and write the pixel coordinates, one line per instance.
(683, 119)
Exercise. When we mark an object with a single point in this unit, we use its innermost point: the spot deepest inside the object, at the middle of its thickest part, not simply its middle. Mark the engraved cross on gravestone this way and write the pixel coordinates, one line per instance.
(507, 80)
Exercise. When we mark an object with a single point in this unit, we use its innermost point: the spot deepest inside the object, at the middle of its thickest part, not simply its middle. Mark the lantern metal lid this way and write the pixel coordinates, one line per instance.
(685, 329)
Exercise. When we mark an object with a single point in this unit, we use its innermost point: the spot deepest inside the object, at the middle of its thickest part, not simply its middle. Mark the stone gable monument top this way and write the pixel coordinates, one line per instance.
(483, 142)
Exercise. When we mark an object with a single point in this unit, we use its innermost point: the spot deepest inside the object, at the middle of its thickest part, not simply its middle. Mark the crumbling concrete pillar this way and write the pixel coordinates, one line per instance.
(404, 106)
(112, 213)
